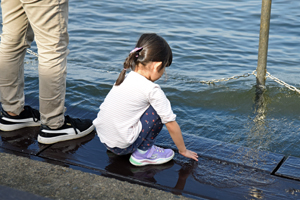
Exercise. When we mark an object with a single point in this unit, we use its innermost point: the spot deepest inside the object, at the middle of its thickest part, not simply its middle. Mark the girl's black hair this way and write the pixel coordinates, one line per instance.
(154, 49)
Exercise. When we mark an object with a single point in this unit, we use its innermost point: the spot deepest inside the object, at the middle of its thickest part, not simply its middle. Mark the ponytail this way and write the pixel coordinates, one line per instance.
(149, 48)
(130, 62)
(121, 77)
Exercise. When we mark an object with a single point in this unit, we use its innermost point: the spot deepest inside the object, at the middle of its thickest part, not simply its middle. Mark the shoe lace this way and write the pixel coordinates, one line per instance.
(159, 149)
(153, 149)
(72, 122)
(35, 116)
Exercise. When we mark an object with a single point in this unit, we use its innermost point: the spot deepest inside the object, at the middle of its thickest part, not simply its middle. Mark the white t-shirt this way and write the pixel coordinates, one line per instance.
(118, 121)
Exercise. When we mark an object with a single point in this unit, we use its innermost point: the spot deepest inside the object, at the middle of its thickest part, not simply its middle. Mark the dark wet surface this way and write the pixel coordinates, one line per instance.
(290, 168)
(224, 171)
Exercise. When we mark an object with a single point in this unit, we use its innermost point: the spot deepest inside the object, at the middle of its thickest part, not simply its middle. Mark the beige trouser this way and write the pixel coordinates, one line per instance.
(45, 21)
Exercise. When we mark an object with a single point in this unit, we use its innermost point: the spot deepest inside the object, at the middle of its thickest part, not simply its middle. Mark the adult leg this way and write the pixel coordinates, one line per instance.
(16, 37)
(49, 21)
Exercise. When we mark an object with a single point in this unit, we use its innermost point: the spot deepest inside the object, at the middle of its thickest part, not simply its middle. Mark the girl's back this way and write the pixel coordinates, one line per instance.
(119, 118)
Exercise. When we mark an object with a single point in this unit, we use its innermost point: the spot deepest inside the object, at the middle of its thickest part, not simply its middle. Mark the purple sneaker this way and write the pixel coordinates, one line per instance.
(154, 156)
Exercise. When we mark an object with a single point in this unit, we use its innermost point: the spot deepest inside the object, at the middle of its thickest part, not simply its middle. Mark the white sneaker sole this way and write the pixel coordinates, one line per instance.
(61, 138)
(13, 127)
(144, 162)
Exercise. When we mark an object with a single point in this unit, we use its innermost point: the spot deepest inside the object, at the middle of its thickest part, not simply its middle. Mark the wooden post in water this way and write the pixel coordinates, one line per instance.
(263, 44)
(261, 69)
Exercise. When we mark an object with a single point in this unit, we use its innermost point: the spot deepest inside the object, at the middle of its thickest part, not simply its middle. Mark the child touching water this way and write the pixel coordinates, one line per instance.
(135, 109)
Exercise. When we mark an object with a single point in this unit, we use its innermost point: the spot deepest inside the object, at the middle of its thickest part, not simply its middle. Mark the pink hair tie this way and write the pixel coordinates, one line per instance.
(136, 49)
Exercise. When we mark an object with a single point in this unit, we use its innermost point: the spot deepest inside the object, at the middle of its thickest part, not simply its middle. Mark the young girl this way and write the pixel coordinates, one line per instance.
(135, 109)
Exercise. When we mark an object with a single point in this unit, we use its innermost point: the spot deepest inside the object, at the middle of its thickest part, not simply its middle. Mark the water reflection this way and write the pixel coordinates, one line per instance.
(120, 165)
(23, 139)
(260, 106)
(226, 175)
(256, 193)
(68, 148)
(259, 137)
(293, 191)
(64, 153)
(183, 174)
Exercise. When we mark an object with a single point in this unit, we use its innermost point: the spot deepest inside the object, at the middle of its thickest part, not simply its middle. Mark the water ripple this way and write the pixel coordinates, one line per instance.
(210, 40)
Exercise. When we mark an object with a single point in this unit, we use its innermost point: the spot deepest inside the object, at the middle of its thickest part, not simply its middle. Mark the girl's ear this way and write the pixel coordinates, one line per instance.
(157, 65)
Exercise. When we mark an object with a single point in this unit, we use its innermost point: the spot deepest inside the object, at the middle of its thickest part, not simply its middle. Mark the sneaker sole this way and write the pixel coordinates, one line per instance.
(14, 127)
(144, 162)
(61, 138)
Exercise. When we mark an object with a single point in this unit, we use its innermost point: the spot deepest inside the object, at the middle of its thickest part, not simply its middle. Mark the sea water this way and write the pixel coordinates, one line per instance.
(210, 40)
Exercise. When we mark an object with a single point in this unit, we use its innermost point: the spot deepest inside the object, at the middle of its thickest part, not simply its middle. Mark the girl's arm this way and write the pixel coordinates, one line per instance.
(176, 135)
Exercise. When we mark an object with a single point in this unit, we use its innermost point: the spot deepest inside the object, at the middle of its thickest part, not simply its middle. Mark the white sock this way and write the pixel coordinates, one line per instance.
(141, 151)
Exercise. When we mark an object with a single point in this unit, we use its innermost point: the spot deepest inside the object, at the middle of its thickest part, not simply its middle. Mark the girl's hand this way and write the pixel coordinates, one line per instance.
(189, 154)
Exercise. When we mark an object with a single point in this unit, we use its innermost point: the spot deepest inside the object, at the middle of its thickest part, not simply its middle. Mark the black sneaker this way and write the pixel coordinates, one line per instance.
(72, 129)
(27, 118)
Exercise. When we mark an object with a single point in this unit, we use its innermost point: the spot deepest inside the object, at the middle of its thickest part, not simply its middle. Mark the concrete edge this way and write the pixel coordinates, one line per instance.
(57, 182)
